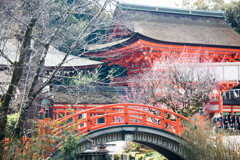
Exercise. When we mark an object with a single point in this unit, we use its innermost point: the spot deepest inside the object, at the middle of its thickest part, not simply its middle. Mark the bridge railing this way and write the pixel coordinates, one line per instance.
(109, 116)
(123, 114)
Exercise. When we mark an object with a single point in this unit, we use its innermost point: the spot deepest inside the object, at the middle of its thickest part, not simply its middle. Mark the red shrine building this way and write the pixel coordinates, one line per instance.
(145, 35)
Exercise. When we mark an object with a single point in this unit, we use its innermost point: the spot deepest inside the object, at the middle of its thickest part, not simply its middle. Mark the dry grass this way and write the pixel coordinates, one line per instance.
(207, 144)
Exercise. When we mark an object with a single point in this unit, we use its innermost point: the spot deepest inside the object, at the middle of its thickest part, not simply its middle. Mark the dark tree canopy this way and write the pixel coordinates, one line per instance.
(233, 15)
(231, 10)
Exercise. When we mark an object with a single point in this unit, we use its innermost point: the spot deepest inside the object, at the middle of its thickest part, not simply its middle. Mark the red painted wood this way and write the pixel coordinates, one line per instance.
(220, 103)
(133, 114)
(128, 114)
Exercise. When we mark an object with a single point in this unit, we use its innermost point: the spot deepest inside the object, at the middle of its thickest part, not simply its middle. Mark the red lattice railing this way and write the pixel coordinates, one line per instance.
(123, 114)
(100, 117)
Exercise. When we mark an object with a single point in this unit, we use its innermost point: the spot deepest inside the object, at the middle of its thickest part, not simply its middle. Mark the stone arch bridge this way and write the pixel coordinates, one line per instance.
(159, 129)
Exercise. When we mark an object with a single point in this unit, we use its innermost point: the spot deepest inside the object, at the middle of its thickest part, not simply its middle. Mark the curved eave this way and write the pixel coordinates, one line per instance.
(134, 38)
(187, 44)
(138, 36)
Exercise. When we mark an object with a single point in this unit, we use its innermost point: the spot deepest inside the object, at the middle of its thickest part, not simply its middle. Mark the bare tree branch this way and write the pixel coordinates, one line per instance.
(6, 57)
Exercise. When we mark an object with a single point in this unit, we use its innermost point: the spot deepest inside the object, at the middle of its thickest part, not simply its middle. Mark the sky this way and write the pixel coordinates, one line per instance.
(165, 3)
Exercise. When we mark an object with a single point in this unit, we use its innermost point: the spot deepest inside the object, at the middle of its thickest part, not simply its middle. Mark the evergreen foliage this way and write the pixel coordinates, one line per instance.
(233, 15)
(11, 120)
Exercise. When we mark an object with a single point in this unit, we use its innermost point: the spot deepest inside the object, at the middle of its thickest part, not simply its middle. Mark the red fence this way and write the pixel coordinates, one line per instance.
(123, 114)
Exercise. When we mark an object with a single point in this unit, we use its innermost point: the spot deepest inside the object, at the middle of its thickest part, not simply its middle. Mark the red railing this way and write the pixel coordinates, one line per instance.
(123, 114)
(105, 116)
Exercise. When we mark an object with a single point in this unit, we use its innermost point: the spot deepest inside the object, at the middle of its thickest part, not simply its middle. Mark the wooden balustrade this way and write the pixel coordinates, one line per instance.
(115, 115)
(125, 114)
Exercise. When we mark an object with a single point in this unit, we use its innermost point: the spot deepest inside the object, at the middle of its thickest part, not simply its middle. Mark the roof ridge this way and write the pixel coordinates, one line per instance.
(161, 9)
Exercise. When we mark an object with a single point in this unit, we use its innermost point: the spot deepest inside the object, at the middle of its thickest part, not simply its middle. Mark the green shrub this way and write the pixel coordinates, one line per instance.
(11, 121)
(45, 144)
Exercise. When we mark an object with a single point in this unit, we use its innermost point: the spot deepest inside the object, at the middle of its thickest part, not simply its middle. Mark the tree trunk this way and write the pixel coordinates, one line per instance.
(16, 76)
(3, 122)
(4, 104)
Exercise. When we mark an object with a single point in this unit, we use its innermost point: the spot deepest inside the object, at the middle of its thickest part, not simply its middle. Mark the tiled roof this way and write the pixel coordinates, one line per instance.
(53, 58)
(178, 25)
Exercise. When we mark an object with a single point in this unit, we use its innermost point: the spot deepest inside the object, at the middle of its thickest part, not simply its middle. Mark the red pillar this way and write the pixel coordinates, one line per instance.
(201, 120)
(220, 103)
(88, 122)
